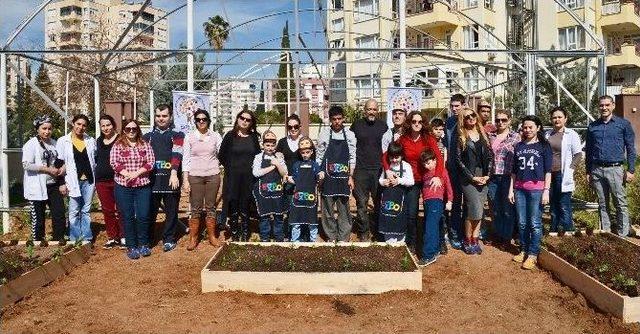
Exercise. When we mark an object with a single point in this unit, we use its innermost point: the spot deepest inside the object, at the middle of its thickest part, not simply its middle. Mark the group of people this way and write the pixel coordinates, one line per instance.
(457, 165)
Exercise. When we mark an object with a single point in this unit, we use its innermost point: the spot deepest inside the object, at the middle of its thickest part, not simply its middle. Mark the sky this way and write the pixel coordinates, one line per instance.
(235, 11)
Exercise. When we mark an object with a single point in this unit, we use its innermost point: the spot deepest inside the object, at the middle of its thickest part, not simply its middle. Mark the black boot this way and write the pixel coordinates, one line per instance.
(234, 227)
(244, 226)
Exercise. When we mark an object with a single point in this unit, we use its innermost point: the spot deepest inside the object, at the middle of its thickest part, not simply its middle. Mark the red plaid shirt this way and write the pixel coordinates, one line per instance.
(131, 159)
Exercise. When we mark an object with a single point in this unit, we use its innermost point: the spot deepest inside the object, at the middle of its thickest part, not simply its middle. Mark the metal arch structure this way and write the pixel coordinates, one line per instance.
(532, 63)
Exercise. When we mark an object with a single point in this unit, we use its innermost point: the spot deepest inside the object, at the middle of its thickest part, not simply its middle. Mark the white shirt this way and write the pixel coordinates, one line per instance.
(293, 143)
(257, 164)
(407, 174)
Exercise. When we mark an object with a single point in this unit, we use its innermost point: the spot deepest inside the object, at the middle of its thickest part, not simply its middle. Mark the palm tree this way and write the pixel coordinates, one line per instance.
(217, 31)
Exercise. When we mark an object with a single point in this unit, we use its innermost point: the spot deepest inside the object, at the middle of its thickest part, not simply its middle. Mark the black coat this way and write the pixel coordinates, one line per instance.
(471, 157)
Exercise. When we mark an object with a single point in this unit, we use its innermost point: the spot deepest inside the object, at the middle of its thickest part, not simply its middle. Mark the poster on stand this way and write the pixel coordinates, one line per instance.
(409, 99)
(184, 105)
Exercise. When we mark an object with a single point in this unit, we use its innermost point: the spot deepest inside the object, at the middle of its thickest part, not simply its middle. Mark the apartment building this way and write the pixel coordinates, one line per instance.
(233, 97)
(15, 85)
(465, 24)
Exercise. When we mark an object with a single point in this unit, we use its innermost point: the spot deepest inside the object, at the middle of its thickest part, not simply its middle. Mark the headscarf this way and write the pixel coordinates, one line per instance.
(41, 120)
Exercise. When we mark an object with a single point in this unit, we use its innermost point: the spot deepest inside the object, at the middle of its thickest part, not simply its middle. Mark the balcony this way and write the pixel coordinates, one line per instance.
(629, 56)
(427, 16)
(617, 16)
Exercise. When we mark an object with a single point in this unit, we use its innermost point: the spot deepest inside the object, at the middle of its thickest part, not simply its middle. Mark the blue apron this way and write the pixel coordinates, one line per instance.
(336, 166)
(268, 191)
(304, 202)
(393, 216)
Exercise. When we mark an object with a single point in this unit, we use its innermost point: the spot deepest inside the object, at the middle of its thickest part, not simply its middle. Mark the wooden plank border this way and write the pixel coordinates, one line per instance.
(624, 307)
(51, 270)
(311, 282)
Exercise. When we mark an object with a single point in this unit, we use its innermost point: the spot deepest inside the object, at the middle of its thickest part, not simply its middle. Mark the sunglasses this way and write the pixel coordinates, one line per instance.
(245, 119)
(201, 119)
(306, 151)
(293, 127)
(130, 129)
(502, 120)
(416, 121)
(470, 116)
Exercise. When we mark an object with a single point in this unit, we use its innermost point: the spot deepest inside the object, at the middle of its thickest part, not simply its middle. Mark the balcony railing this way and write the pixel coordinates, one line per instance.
(612, 8)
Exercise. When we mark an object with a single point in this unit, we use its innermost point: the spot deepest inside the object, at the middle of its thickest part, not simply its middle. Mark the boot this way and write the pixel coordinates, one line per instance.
(211, 231)
(244, 227)
(194, 228)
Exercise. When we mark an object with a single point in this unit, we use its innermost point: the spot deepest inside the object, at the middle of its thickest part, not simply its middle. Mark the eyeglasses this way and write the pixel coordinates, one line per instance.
(502, 120)
(293, 127)
(470, 116)
(245, 119)
(201, 119)
(130, 129)
(416, 121)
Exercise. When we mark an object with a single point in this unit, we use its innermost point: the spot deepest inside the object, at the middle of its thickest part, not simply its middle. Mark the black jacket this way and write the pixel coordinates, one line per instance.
(471, 157)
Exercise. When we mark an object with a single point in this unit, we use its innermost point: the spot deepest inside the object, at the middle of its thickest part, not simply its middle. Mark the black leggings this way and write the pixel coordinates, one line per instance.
(56, 206)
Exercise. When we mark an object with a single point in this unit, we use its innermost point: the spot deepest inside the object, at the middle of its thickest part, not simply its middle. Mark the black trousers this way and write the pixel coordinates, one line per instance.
(169, 202)
(56, 206)
(365, 187)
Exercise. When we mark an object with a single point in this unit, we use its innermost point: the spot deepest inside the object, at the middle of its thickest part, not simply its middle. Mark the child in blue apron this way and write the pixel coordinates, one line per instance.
(305, 175)
(392, 220)
(269, 168)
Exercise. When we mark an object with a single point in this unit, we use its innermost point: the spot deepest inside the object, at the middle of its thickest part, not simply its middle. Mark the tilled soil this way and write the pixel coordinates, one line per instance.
(16, 260)
(161, 294)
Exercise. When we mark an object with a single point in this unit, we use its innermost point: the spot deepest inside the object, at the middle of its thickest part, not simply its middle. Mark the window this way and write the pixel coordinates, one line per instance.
(367, 42)
(337, 24)
(336, 44)
(490, 41)
(365, 10)
(452, 82)
(488, 4)
(571, 4)
(337, 4)
(471, 79)
(470, 3)
(367, 87)
(471, 38)
(571, 38)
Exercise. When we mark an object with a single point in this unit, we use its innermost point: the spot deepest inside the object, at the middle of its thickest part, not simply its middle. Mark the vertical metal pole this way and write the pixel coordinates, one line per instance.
(190, 45)
(96, 104)
(297, 44)
(151, 107)
(402, 25)
(287, 111)
(530, 65)
(135, 103)
(4, 159)
(587, 103)
(602, 75)
(66, 104)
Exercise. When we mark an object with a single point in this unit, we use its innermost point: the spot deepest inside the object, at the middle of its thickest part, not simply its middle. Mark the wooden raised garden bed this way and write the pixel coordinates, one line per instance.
(311, 268)
(59, 262)
(603, 267)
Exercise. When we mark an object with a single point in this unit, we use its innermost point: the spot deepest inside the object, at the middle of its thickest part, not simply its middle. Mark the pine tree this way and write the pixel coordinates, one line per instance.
(281, 94)
(43, 81)
(260, 107)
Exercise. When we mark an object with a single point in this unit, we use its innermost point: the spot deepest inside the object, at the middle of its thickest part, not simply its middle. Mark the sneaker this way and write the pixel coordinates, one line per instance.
(426, 262)
(121, 244)
(443, 248)
(477, 249)
(133, 253)
(144, 251)
(530, 263)
(455, 244)
(468, 248)
(168, 246)
(520, 257)
(110, 244)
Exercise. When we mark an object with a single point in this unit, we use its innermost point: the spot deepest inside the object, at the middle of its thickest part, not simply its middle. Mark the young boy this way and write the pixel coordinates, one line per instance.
(392, 222)
(269, 167)
(305, 174)
(437, 128)
(434, 199)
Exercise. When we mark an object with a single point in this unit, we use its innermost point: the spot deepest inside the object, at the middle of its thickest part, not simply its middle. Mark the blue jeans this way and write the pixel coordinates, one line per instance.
(560, 202)
(431, 238)
(412, 199)
(134, 205)
(296, 232)
(529, 207)
(79, 218)
(503, 211)
(265, 228)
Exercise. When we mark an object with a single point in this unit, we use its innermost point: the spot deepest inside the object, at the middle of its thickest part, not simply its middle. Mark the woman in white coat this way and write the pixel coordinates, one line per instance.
(567, 154)
(77, 150)
(42, 178)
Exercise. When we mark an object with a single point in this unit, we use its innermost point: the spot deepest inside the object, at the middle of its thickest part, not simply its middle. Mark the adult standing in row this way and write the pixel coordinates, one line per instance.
(165, 178)
(105, 184)
(484, 116)
(42, 179)
(77, 150)
(368, 131)
(503, 143)
(336, 155)
(132, 159)
(567, 154)
(201, 176)
(288, 146)
(474, 161)
(456, 103)
(416, 137)
(239, 147)
(398, 117)
(610, 139)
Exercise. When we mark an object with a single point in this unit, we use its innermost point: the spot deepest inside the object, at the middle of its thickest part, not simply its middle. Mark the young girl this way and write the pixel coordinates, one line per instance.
(530, 182)
(305, 174)
(269, 167)
(392, 221)
(434, 199)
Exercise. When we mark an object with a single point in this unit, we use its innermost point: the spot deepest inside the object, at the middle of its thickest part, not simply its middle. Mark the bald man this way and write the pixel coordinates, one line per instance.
(369, 131)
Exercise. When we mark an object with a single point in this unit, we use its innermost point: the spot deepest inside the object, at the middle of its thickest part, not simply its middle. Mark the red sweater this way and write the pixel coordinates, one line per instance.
(444, 193)
(412, 150)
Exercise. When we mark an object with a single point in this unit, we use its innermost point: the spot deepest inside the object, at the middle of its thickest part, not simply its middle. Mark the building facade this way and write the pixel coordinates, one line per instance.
(233, 97)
